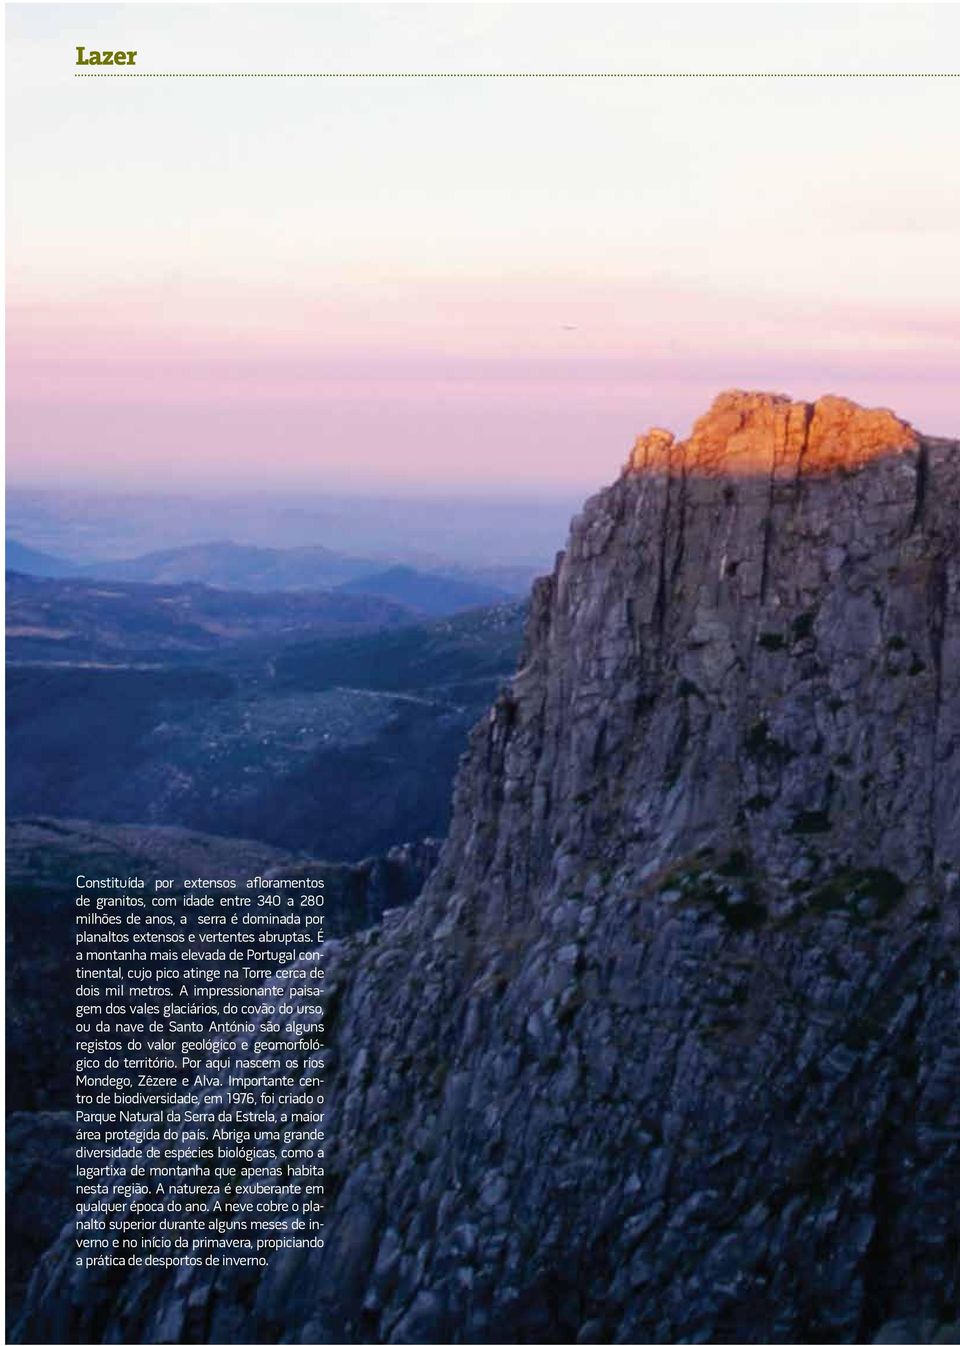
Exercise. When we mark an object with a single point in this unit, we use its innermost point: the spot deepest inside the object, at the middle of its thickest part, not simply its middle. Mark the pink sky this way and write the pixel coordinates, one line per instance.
(462, 284)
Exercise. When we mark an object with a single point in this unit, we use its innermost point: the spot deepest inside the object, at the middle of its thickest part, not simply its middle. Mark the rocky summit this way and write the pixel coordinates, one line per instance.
(669, 1047)
(747, 433)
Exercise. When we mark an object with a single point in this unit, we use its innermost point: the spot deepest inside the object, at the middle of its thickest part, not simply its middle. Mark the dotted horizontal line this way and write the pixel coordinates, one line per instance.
(500, 74)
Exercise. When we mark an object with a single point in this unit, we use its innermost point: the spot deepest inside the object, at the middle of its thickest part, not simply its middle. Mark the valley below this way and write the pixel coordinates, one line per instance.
(323, 722)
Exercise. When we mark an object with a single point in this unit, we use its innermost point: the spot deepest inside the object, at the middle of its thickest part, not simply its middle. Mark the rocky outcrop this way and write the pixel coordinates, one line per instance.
(40, 1192)
(756, 433)
(668, 1049)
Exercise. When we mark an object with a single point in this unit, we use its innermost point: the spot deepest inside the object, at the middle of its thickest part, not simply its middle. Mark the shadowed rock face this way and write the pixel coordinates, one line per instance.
(668, 1049)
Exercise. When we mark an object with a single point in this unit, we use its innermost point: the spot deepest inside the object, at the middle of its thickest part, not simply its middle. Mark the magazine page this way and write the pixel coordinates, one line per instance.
(483, 673)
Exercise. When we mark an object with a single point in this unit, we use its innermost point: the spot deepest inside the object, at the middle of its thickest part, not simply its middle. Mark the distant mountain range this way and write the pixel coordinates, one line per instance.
(258, 570)
(475, 531)
(229, 565)
(432, 595)
(29, 561)
(78, 620)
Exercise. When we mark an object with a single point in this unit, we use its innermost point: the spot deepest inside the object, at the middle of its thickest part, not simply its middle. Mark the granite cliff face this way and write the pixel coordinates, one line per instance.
(668, 1049)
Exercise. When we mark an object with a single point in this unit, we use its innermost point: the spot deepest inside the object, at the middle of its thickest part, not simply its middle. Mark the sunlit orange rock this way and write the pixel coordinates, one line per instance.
(750, 434)
(652, 451)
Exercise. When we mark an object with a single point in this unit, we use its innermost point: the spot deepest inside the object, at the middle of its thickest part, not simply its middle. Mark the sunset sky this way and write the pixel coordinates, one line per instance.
(477, 284)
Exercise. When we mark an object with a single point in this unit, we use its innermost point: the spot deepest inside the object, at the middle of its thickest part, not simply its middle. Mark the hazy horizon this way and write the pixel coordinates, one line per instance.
(448, 286)
(85, 526)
